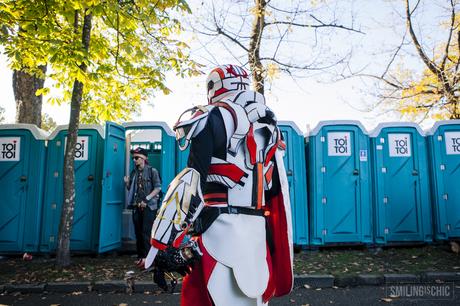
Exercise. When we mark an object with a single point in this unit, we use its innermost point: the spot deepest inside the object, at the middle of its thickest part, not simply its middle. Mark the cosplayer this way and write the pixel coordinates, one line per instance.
(232, 200)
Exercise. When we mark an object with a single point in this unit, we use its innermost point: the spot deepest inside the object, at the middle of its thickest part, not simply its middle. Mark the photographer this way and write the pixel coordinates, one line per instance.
(144, 185)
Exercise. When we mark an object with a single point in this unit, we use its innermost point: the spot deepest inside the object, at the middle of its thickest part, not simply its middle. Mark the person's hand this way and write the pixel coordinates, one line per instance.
(142, 204)
(126, 179)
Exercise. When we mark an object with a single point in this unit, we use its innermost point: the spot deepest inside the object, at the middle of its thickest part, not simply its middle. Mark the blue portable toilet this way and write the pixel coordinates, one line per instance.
(99, 189)
(22, 166)
(402, 206)
(294, 161)
(444, 148)
(339, 184)
(181, 158)
(158, 138)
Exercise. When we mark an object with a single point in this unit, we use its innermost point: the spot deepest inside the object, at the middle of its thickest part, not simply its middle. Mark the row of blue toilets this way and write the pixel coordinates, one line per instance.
(396, 184)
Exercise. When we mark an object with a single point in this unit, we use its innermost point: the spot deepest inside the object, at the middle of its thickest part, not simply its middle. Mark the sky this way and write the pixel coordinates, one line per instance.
(305, 101)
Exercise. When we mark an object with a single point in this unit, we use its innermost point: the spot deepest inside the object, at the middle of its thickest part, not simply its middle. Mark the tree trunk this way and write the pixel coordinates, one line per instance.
(65, 226)
(28, 105)
(257, 68)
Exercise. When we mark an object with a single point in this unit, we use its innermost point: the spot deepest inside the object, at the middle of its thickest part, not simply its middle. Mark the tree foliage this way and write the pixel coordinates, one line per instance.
(431, 88)
(133, 43)
(105, 57)
(48, 123)
(436, 91)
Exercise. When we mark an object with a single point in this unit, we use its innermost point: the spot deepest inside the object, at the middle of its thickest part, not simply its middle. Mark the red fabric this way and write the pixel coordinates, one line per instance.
(211, 203)
(270, 291)
(281, 255)
(231, 171)
(158, 245)
(178, 240)
(220, 72)
(270, 154)
(219, 195)
(251, 144)
(195, 285)
(220, 91)
(269, 174)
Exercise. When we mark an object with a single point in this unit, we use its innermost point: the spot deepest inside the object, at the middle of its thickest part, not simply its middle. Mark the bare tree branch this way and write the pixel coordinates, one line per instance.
(451, 30)
(314, 26)
(431, 65)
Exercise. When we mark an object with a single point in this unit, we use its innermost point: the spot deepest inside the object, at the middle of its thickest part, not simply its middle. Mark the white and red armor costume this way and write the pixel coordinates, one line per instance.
(233, 197)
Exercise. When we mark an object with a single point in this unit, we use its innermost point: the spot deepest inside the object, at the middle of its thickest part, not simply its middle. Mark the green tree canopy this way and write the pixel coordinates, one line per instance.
(48, 123)
(133, 43)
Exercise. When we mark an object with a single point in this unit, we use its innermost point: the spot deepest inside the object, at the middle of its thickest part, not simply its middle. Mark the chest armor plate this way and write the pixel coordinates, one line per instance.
(248, 167)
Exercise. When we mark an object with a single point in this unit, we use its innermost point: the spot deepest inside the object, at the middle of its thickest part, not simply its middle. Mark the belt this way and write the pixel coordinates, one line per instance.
(238, 210)
(209, 214)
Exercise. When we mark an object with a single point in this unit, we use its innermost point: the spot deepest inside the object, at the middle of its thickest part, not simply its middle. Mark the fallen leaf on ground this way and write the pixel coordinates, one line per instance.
(388, 300)
(307, 286)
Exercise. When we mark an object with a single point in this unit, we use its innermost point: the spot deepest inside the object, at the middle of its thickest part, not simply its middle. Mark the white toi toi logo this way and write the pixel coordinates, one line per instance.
(399, 145)
(338, 144)
(81, 148)
(10, 148)
(452, 143)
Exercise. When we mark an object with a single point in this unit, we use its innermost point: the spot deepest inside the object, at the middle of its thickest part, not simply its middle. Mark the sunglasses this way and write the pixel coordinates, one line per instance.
(137, 157)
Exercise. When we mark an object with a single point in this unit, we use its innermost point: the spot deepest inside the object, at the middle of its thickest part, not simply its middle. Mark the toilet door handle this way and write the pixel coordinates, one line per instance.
(356, 172)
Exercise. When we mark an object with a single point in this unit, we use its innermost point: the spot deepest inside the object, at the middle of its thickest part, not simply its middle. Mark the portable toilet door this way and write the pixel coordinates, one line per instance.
(339, 177)
(401, 184)
(168, 152)
(294, 162)
(444, 140)
(88, 171)
(158, 138)
(22, 165)
(113, 188)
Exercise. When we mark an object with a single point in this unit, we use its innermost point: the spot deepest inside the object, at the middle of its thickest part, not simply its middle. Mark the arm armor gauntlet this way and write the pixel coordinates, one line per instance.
(181, 206)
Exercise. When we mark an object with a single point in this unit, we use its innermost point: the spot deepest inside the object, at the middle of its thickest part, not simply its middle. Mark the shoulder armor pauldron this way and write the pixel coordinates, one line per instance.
(187, 129)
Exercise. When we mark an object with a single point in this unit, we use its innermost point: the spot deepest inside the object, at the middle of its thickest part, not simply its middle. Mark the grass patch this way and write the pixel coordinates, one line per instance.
(391, 260)
(338, 262)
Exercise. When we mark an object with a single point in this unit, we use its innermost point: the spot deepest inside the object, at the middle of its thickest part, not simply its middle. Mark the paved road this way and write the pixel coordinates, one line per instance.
(300, 296)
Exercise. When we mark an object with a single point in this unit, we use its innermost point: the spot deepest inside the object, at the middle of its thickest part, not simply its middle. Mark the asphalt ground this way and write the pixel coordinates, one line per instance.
(370, 295)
